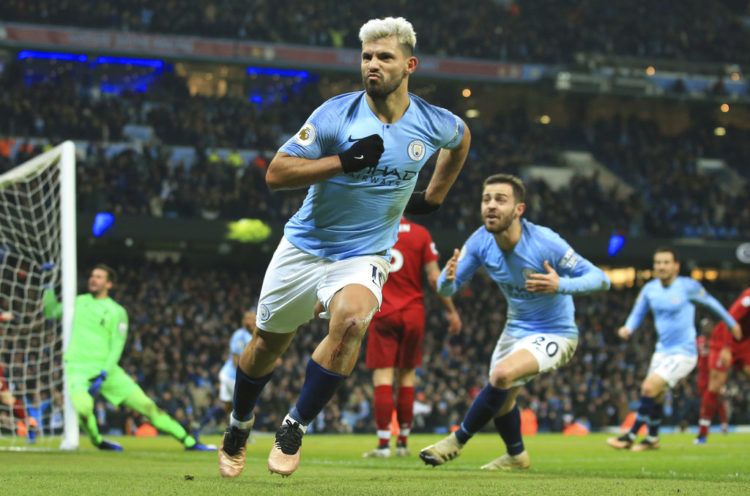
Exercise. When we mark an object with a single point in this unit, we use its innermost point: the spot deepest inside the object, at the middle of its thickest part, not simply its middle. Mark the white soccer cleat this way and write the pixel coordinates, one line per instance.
(402, 451)
(521, 461)
(377, 453)
(441, 452)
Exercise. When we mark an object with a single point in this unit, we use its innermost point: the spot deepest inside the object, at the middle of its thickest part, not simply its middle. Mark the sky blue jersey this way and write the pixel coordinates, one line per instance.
(358, 214)
(237, 343)
(529, 313)
(674, 313)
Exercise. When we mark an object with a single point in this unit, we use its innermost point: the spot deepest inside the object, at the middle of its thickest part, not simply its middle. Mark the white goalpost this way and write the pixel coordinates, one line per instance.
(37, 251)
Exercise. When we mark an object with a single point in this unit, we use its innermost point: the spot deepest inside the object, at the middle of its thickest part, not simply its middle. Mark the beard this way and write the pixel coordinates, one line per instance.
(380, 89)
(501, 224)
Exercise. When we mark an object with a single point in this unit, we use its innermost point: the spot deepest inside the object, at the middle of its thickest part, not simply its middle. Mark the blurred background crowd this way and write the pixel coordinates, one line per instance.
(180, 139)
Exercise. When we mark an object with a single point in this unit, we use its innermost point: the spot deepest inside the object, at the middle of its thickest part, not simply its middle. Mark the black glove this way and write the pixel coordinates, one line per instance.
(364, 153)
(418, 204)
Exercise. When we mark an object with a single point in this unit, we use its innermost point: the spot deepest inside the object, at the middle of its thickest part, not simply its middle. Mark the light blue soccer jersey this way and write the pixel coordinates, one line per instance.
(529, 313)
(237, 343)
(674, 313)
(358, 214)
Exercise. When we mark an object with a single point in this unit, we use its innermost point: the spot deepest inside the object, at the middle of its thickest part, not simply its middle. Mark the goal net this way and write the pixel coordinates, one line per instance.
(37, 251)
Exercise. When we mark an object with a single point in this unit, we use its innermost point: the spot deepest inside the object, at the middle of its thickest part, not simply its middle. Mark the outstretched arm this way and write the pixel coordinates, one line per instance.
(700, 296)
(636, 316)
(459, 269)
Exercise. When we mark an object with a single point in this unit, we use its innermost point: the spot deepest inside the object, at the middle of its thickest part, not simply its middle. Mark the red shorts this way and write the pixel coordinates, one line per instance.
(722, 338)
(395, 340)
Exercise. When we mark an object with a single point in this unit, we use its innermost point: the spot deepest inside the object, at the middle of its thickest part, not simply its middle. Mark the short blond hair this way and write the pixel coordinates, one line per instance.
(375, 29)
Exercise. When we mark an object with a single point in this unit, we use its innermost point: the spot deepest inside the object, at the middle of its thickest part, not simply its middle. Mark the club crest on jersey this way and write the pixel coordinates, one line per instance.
(264, 313)
(527, 272)
(306, 135)
(416, 150)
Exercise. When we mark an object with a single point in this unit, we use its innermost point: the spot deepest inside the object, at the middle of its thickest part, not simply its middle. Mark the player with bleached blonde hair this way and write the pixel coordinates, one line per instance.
(359, 154)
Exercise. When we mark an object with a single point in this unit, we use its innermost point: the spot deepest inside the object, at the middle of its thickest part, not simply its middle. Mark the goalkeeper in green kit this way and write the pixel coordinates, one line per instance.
(100, 328)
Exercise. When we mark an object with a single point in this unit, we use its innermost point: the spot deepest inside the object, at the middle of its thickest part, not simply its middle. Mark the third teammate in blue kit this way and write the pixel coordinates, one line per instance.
(672, 299)
(359, 154)
(538, 272)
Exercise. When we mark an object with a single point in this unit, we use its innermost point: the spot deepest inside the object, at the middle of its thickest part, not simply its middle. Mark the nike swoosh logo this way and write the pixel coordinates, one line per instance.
(359, 158)
(353, 139)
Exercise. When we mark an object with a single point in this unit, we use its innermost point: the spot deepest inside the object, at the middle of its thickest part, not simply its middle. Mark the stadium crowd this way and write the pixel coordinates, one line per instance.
(506, 30)
(176, 353)
(146, 180)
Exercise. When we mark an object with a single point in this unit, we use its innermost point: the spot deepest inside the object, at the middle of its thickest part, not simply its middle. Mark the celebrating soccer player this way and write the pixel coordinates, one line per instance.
(726, 350)
(360, 154)
(537, 272)
(397, 331)
(100, 327)
(672, 299)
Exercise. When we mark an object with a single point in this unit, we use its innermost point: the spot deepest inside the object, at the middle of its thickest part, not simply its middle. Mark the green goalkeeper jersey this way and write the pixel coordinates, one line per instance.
(100, 327)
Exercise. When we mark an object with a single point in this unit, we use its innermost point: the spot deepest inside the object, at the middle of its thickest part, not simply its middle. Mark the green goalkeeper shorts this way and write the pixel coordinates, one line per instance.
(116, 387)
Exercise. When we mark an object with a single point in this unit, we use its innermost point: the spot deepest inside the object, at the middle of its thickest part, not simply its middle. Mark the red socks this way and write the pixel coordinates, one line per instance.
(405, 413)
(383, 406)
(709, 405)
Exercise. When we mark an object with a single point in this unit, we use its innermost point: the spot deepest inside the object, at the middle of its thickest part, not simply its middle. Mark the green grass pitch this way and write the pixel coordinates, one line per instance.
(333, 464)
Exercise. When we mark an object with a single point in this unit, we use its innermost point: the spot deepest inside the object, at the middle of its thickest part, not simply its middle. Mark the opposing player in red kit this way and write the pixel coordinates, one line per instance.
(25, 425)
(394, 342)
(726, 351)
(703, 343)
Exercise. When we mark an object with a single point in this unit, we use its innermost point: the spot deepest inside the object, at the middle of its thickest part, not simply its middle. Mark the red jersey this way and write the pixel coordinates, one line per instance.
(740, 311)
(413, 250)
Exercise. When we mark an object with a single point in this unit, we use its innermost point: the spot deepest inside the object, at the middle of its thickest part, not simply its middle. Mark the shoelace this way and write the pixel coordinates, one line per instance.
(289, 438)
(234, 440)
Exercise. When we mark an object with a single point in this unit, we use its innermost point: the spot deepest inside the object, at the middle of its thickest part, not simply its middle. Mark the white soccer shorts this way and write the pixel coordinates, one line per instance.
(550, 350)
(226, 388)
(295, 281)
(672, 367)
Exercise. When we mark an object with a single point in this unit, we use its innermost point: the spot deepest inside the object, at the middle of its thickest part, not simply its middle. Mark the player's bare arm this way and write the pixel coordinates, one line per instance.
(287, 172)
(543, 283)
(624, 332)
(448, 166)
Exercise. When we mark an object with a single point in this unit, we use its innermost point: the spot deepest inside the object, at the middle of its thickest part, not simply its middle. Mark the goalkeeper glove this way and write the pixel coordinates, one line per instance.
(364, 153)
(96, 383)
(418, 204)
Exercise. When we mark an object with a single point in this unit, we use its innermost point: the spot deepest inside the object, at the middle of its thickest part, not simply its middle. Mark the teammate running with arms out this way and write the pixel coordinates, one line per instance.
(727, 350)
(394, 341)
(538, 273)
(360, 154)
(100, 328)
(672, 299)
(228, 374)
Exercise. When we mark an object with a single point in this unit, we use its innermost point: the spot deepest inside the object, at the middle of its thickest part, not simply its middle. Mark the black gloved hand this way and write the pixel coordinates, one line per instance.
(364, 153)
(418, 204)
